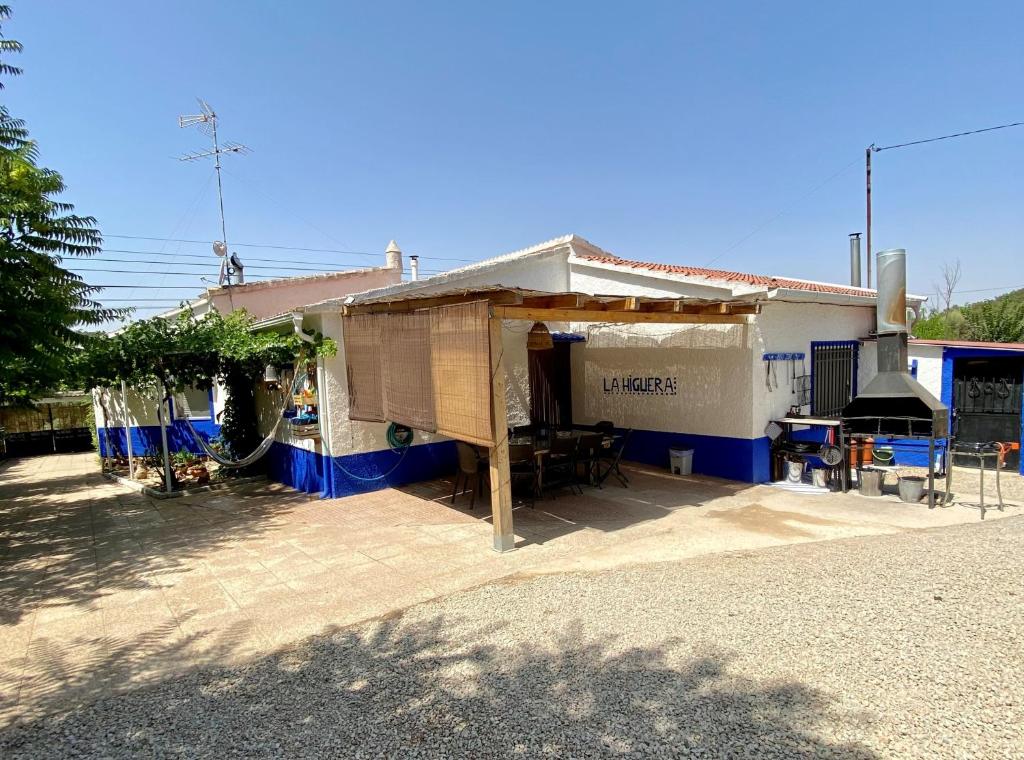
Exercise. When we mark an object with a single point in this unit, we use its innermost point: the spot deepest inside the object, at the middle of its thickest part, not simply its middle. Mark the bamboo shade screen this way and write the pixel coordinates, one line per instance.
(408, 392)
(362, 335)
(461, 369)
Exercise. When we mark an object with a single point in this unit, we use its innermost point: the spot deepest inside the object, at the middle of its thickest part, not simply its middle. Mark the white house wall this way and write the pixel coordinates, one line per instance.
(789, 328)
(705, 365)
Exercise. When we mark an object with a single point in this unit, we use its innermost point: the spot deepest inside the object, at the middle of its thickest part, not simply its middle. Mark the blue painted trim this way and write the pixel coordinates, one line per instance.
(855, 345)
(147, 437)
(564, 337)
(741, 459)
(951, 354)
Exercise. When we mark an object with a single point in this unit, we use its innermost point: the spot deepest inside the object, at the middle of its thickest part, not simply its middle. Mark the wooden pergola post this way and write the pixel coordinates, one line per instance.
(501, 482)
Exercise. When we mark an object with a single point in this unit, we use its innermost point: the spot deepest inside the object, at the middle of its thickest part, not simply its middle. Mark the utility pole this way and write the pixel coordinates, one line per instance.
(207, 122)
(867, 182)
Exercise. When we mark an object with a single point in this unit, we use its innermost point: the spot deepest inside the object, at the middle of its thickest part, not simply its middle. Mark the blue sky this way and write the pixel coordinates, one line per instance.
(659, 131)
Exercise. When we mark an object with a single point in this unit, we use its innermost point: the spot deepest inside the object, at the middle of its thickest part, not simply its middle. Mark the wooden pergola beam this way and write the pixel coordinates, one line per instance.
(561, 301)
(403, 305)
(591, 315)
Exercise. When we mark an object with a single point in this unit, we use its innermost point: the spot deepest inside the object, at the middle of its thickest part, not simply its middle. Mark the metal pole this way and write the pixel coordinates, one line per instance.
(127, 431)
(53, 435)
(168, 481)
(867, 182)
(220, 188)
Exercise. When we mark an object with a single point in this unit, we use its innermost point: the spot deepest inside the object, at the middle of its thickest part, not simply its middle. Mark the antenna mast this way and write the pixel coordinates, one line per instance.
(207, 122)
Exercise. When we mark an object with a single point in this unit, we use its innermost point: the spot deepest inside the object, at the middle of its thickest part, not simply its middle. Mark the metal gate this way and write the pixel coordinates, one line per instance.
(987, 396)
(833, 376)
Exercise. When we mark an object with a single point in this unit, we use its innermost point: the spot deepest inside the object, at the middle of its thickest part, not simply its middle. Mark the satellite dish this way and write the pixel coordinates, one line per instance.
(220, 248)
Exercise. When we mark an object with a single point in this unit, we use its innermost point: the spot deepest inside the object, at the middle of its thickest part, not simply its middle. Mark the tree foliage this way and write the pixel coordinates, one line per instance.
(42, 304)
(996, 320)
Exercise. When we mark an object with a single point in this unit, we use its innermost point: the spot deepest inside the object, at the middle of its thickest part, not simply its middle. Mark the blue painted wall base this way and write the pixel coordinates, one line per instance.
(742, 459)
(335, 477)
(147, 438)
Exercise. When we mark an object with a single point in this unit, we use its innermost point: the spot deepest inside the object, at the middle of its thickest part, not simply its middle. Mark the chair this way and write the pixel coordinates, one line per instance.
(613, 454)
(522, 464)
(560, 463)
(472, 468)
(588, 453)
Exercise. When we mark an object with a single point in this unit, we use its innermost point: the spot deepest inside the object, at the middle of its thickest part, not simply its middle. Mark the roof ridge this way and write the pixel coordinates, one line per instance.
(729, 275)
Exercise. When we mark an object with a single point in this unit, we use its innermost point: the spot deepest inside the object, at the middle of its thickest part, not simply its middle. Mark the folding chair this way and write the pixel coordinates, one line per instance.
(614, 455)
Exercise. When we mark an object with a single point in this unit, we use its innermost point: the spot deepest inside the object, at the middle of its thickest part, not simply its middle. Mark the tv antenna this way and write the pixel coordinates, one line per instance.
(207, 123)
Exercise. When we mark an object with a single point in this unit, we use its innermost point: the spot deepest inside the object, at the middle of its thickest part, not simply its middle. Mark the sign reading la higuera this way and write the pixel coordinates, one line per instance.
(630, 385)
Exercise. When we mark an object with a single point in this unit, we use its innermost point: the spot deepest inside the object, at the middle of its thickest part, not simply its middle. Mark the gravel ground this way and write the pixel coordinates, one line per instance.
(890, 646)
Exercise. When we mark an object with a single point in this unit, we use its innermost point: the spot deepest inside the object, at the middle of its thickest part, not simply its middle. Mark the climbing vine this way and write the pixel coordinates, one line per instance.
(157, 357)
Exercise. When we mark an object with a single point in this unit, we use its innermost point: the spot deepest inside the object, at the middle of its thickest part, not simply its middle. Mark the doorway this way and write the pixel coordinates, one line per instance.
(551, 386)
(987, 403)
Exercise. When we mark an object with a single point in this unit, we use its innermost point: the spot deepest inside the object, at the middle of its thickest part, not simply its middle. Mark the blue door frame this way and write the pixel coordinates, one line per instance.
(950, 354)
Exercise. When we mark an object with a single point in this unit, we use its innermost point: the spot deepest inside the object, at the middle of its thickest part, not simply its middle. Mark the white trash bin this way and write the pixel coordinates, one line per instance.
(680, 461)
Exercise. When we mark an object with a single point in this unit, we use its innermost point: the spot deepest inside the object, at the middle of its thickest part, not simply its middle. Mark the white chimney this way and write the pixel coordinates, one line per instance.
(414, 267)
(393, 256)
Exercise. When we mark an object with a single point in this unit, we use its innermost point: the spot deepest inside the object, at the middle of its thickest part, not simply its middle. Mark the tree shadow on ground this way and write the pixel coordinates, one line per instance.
(438, 687)
(76, 538)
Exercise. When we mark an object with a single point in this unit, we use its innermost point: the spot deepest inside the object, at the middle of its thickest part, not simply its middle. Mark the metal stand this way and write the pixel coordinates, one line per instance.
(980, 452)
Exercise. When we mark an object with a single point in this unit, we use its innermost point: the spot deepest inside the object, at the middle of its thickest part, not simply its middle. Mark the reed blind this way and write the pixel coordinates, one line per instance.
(406, 367)
(362, 337)
(461, 372)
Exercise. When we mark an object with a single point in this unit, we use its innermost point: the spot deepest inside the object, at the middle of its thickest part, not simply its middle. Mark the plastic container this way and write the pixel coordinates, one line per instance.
(870, 481)
(911, 488)
(819, 477)
(680, 461)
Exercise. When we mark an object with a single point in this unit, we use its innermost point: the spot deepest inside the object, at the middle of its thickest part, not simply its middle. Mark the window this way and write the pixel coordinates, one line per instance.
(833, 376)
(196, 406)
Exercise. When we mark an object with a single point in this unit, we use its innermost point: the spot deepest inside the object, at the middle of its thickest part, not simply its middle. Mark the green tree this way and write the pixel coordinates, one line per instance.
(1000, 320)
(43, 306)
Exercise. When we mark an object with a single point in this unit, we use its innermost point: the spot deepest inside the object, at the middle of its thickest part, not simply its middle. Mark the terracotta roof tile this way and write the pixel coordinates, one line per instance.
(727, 276)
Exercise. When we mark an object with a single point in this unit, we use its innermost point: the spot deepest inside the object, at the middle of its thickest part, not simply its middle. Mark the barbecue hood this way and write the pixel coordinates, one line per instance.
(894, 403)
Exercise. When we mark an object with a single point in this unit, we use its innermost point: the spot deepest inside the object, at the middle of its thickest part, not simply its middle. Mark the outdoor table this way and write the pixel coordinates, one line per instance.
(542, 446)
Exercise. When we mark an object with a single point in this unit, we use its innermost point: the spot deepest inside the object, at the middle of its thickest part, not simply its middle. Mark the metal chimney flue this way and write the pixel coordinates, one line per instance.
(891, 272)
(414, 267)
(855, 259)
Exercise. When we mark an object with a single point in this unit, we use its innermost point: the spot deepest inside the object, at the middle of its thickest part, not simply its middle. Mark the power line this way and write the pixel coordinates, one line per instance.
(209, 257)
(986, 290)
(946, 137)
(275, 247)
(203, 266)
(781, 213)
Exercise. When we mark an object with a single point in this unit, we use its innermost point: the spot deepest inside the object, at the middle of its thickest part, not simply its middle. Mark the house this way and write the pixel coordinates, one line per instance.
(746, 356)
(135, 412)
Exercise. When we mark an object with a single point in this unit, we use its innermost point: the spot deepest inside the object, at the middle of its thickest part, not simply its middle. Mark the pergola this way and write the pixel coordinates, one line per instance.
(495, 304)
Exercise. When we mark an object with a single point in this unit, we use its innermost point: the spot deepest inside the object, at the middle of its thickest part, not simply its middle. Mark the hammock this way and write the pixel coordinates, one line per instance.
(220, 459)
(265, 444)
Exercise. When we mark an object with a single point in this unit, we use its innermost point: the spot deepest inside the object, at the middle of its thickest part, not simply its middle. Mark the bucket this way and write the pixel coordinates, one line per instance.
(794, 472)
(871, 481)
(883, 455)
(680, 461)
(911, 488)
(819, 477)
